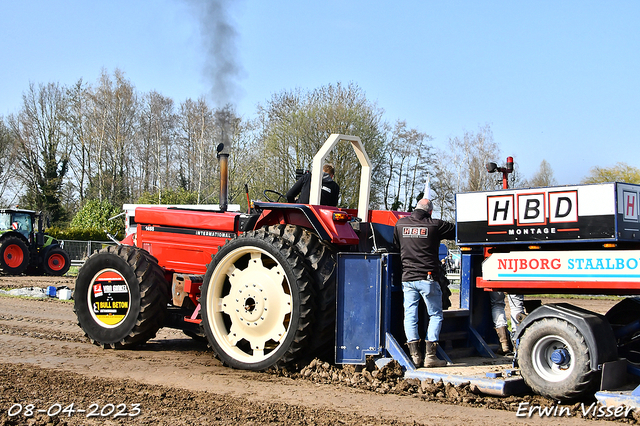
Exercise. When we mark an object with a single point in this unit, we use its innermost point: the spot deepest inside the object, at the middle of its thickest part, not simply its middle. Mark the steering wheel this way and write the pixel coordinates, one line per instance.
(272, 192)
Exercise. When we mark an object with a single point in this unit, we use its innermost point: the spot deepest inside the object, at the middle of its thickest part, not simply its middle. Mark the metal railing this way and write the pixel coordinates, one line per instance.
(79, 251)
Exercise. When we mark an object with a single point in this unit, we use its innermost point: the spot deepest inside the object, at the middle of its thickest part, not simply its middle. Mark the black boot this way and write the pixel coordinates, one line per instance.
(505, 341)
(430, 357)
(416, 354)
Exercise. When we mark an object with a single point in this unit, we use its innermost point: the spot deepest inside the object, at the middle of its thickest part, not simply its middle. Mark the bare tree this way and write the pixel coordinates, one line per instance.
(408, 163)
(113, 126)
(9, 186)
(195, 125)
(281, 123)
(157, 149)
(79, 136)
(200, 131)
(293, 126)
(246, 163)
(196, 130)
(544, 175)
(463, 168)
(41, 132)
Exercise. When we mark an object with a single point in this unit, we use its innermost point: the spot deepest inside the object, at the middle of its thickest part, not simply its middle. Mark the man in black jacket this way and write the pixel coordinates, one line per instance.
(418, 237)
(328, 195)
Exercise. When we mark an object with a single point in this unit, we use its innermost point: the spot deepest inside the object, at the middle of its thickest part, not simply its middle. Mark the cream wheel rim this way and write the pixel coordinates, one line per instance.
(249, 304)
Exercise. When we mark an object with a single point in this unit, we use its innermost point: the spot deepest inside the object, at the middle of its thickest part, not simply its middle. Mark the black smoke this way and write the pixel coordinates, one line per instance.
(219, 39)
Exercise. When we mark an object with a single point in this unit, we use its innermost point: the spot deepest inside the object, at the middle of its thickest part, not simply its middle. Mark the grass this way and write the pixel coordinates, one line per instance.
(576, 296)
(72, 272)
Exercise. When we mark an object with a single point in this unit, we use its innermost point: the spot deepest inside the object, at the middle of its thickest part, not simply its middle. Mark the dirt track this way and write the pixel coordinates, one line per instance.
(177, 381)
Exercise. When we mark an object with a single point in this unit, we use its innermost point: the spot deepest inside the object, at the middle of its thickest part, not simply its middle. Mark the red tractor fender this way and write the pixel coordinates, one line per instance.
(323, 220)
(386, 217)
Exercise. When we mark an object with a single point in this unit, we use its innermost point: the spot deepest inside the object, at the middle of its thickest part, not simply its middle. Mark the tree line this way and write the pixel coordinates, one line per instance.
(109, 143)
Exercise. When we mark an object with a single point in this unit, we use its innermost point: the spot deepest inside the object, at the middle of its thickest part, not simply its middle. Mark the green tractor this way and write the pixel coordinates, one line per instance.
(23, 249)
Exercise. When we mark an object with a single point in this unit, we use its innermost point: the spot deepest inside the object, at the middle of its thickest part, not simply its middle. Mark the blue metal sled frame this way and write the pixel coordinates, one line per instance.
(629, 398)
(369, 322)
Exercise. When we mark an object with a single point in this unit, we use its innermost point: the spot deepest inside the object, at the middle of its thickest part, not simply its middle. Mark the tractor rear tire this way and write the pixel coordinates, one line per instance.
(257, 302)
(321, 260)
(56, 262)
(14, 256)
(555, 361)
(121, 297)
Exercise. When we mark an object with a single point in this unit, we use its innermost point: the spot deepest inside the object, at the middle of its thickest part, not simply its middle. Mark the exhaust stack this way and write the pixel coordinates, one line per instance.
(223, 158)
(224, 180)
(223, 120)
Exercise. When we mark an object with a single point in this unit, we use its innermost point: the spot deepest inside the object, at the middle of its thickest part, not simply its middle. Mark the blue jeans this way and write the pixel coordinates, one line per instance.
(516, 305)
(432, 295)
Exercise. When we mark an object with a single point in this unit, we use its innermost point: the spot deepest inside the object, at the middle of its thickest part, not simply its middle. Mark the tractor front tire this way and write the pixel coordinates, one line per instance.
(121, 297)
(555, 361)
(14, 256)
(56, 262)
(257, 302)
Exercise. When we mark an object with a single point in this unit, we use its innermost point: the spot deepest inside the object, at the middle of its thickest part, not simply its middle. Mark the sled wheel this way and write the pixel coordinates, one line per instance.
(121, 297)
(14, 256)
(257, 304)
(56, 262)
(554, 359)
(321, 260)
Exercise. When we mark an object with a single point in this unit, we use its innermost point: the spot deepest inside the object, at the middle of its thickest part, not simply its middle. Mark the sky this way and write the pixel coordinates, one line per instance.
(555, 80)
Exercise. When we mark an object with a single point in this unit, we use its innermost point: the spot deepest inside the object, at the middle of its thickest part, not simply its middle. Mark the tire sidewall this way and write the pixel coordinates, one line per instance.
(207, 288)
(574, 384)
(321, 260)
(25, 253)
(98, 262)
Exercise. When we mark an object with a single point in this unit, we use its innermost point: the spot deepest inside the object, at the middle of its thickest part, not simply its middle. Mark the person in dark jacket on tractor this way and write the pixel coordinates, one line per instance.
(330, 190)
(418, 237)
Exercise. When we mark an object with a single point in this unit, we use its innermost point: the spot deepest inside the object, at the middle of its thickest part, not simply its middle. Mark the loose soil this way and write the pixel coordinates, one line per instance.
(47, 364)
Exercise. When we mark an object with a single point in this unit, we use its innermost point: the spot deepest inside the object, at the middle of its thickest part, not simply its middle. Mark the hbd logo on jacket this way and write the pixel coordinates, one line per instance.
(415, 232)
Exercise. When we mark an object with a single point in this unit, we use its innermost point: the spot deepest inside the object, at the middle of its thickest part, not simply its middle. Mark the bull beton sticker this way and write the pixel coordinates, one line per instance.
(110, 301)
(595, 265)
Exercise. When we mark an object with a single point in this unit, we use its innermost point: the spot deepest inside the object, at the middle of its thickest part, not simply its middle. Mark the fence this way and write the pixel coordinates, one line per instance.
(79, 250)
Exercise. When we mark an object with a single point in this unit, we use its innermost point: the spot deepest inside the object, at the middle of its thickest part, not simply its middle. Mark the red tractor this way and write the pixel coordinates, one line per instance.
(260, 286)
